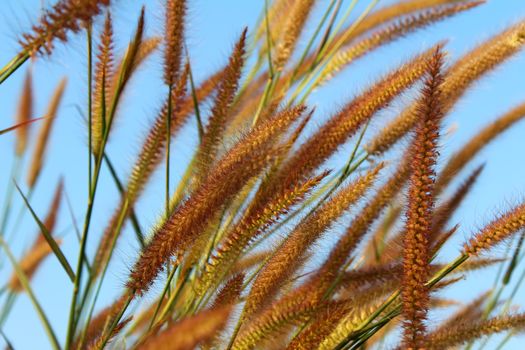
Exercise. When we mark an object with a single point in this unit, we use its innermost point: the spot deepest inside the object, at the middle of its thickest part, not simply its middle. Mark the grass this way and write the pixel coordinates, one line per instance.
(232, 262)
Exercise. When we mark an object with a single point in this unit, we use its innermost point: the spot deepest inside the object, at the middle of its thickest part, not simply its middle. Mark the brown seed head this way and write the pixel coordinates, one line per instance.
(64, 16)
(462, 75)
(24, 114)
(289, 256)
(497, 231)
(101, 90)
(189, 332)
(416, 249)
(245, 160)
(175, 16)
(44, 133)
(213, 137)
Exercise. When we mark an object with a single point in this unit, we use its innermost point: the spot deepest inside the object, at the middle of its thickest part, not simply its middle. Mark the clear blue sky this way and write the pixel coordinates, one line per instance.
(213, 27)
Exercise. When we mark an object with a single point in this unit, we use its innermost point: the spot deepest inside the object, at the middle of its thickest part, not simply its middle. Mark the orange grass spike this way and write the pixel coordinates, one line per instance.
(321, 326)
(416, 246)
(480, 140)
(293, 26)
(462, 75)
(63, 17)
(189, 332)
(244, 161)
(290, 310)
(256, 220)
(101, 90)
(24, 113)
(174, 30)
(213, 137)
(398, 9)
(98, 323)
(340, 127)
(290, 254)
(44, 134)
(496, 231)
(148, 159)
(463, 333)
(339, 255)
(392, 32)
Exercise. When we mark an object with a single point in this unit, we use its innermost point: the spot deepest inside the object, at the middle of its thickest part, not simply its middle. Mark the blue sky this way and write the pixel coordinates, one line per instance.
(213, 27)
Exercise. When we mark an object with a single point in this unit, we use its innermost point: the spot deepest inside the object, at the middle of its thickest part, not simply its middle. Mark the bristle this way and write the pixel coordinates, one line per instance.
(137, 51)
(391, 32)
(153, 148)
(248, 262)
(255, 221)
(396, 10)
(444, 212)
(63, 17)
(245, 160)
(462, 76)
(324, 322)
(468, 313)
(361, 311)
(146, 48)
(150, 156)
(44, 134)
(291, 31)
(365, 277)
(99, 342)
(189, 332)
(481, 139)
(378, 242)
(101, 90)
(98, 323)
(339, 254)
(24, 113)
(230, 292)
(497, 231)
(416, 247)
(347, 122)
(174, 29)
(213, 137)
(287, 258)
(292, 309)
(463, 333)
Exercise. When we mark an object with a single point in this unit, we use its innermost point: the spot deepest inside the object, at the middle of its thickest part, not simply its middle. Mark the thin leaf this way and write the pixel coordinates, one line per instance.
(16, 126)
(49, 238)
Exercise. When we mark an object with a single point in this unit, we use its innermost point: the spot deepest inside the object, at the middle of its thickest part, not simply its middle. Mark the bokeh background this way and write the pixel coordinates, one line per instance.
(213, 26)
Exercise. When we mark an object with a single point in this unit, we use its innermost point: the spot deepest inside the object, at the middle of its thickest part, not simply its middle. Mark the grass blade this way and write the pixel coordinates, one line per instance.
(50, 240)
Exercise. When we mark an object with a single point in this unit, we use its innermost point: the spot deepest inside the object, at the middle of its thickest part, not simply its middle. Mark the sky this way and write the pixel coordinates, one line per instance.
(213, 27)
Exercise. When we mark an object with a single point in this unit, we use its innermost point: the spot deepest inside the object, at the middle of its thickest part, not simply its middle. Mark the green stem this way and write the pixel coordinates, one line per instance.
(90, 103)
(13, 65)
(168, 150)
(132, 214)
(163, 294)
(15, 173)
(8, 306)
